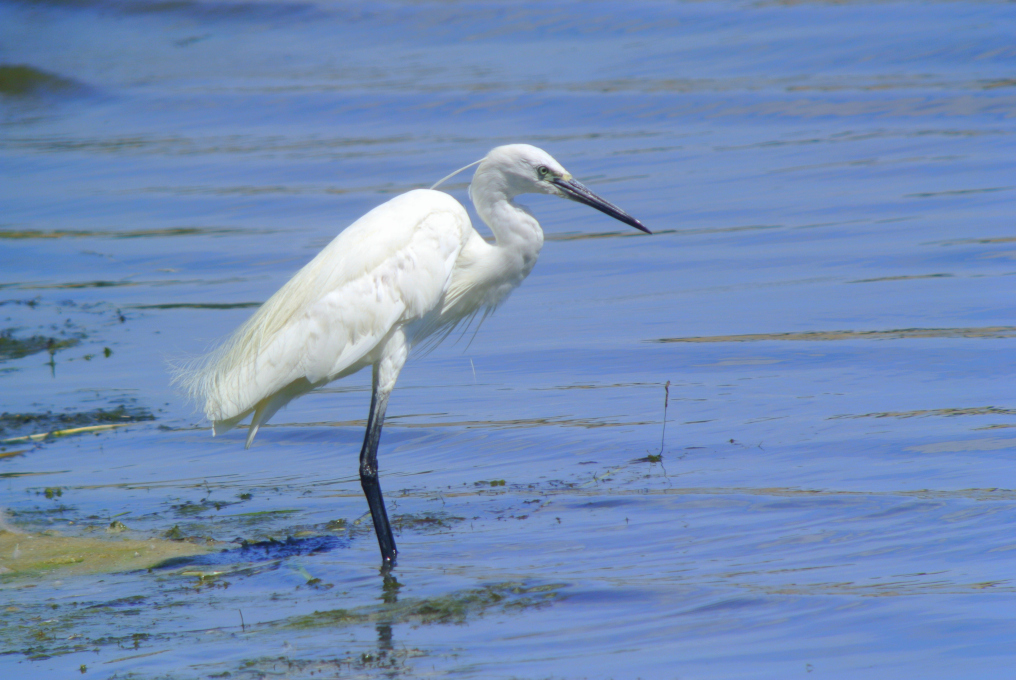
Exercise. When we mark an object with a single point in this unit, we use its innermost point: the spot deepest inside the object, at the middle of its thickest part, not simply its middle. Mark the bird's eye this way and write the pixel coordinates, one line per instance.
(543, 171)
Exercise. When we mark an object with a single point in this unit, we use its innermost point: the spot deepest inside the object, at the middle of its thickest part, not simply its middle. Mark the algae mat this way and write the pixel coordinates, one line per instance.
(50, 554)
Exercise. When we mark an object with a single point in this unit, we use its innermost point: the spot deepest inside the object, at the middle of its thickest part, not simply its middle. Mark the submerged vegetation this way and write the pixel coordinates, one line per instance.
(48, 553)
(18, 348)
(26, 425)
(456, 607)
(40, 630)
(174, 576)
(19, 80)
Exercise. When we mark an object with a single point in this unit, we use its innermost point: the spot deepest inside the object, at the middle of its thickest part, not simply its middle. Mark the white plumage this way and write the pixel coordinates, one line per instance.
(389, 269)
(408, 269)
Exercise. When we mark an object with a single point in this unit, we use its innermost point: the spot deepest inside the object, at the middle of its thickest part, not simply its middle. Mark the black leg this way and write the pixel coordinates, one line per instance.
(368, 474)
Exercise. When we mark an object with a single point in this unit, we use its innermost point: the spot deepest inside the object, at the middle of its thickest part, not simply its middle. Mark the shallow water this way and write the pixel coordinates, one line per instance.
(829, 292)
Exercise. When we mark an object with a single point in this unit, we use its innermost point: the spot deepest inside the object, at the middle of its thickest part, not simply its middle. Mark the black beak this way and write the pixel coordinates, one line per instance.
(576, 191)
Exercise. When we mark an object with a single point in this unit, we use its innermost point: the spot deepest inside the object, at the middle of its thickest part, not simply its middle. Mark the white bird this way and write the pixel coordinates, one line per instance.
(408, 269)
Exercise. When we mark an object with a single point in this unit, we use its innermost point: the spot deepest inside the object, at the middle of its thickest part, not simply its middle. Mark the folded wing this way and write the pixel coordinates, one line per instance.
(389, 268)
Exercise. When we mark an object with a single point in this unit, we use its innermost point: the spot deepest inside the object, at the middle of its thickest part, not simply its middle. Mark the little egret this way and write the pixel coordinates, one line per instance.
(408, 269)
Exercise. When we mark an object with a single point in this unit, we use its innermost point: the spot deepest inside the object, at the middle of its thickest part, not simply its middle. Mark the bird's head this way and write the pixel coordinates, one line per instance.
(524, 169)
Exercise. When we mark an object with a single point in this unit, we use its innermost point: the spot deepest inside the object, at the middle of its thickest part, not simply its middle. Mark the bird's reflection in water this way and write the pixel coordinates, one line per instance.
(390, 596)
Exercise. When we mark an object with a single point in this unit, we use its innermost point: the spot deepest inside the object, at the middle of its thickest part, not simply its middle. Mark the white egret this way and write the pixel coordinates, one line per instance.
(408, 269)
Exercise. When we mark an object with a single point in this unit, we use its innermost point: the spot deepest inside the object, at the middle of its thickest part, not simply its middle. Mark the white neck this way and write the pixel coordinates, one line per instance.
(486, 274)
(517, 232)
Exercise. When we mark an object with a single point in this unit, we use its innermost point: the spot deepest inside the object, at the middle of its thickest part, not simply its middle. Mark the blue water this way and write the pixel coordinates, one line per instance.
(829, 291)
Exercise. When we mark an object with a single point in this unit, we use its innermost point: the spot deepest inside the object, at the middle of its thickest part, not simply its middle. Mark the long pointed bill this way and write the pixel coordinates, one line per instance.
(577, 191)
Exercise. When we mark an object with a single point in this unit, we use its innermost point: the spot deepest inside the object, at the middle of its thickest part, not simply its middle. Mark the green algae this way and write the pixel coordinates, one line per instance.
(391, 662)
(41, 630)
(18, 348)
(19, 80)
(69, 423)
(425, 521)
(46, 554)
(454, 608)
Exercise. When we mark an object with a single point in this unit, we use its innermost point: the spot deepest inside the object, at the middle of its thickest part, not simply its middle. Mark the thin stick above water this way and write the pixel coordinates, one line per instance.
(666, 401)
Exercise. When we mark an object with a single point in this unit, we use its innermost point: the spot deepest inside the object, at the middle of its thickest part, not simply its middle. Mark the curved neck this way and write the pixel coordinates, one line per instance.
(486, 274)
(512, 225)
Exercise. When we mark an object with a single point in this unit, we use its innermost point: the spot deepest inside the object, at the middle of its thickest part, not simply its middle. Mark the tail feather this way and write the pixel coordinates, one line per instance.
(262, 413)
(269, 406)
(223, 426)
(253, 430)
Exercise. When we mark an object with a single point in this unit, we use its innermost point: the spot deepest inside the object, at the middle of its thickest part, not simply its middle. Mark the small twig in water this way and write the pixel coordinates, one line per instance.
(243, 626)
(666, 401)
